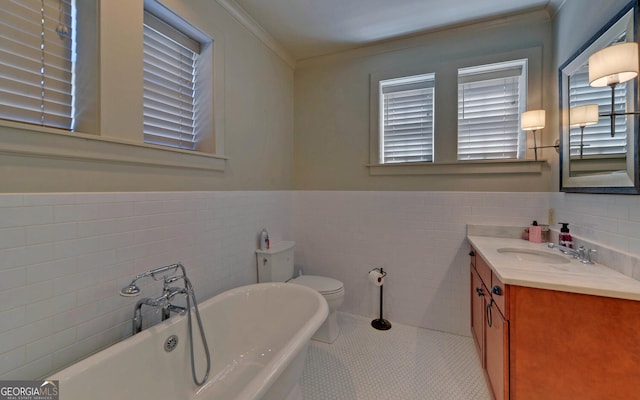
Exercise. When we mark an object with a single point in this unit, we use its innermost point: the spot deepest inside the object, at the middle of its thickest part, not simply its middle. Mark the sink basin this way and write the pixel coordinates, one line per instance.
(532, 255)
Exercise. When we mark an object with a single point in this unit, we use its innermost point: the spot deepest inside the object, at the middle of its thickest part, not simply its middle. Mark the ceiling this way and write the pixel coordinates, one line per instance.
(309, 28)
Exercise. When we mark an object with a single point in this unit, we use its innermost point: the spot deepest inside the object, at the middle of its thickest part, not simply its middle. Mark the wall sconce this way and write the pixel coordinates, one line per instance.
(615, 64)
(582, 116)
(532, 121)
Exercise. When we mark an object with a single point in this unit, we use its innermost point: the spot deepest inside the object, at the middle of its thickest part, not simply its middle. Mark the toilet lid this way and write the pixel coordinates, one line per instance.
(322, 284)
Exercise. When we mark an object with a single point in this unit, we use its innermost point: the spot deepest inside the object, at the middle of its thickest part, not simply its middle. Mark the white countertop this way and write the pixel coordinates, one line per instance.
(575, 277)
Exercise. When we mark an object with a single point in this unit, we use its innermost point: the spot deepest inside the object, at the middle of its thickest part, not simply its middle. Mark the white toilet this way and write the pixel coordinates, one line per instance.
(276, 265)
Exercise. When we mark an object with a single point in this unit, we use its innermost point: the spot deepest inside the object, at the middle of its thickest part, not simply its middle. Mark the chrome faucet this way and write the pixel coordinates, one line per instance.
(162, 303)
(168, 275)
(136, 325)
(169, 293)
(582, 253)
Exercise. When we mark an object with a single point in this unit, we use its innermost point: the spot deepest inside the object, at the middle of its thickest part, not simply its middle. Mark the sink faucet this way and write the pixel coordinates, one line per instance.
(582, 253)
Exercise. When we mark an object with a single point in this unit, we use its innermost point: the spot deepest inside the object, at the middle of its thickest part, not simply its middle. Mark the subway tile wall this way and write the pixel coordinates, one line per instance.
(608, 223)
(417, 237)
(610, 220)
(64, 258)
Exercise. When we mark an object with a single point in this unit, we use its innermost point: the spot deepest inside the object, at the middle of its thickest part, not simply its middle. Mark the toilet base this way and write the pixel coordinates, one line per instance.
(329, 330)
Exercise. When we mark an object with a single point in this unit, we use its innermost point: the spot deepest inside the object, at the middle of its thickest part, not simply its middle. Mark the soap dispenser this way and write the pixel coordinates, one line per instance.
(535, 232)
(565, 238)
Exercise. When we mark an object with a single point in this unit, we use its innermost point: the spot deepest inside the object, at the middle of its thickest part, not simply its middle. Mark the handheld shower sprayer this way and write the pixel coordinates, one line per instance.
(130, 291)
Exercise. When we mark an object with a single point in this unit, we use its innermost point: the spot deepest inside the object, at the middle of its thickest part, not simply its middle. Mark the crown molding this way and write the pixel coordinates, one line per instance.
(254, 27)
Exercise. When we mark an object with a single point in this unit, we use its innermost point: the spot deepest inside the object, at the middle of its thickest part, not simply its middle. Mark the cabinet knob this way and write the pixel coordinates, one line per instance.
(496, 290)
(479, 292)
(472, 253)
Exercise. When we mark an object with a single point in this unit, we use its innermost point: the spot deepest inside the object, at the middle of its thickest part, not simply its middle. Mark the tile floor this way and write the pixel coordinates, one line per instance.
(403, 363)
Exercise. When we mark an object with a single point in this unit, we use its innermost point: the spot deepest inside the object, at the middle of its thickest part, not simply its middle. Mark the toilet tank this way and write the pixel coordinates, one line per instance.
(275, 264)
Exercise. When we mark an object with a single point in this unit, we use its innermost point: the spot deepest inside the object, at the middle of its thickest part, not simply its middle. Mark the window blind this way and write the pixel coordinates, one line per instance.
(36, 67)
(490, 101)
(407, 106)
(170, 60)
(597, 138)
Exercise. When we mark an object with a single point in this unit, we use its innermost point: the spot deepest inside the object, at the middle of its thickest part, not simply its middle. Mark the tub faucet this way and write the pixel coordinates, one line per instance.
(168, 294)
(137, 311)
(162, 303)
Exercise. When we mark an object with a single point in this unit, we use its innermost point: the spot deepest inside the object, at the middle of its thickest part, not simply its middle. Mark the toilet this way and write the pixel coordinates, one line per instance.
(276, 265)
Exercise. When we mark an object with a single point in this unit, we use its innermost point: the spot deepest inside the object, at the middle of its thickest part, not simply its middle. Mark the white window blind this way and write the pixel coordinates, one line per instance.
(597, 138)
(170, 60)
(490, 101)
(36, 62)
(407, 106)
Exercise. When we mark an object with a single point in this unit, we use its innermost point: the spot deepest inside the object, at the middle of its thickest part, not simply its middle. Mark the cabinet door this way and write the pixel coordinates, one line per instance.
(478, 294)
(497, 351)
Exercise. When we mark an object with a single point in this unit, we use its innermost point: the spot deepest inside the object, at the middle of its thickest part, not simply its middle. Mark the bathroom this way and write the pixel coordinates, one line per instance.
(80, 215)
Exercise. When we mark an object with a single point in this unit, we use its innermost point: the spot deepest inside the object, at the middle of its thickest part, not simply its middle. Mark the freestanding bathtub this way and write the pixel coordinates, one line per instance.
(258, 337)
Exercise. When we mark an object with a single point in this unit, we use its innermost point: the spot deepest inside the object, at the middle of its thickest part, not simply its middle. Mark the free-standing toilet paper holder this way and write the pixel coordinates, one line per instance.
(380, 324)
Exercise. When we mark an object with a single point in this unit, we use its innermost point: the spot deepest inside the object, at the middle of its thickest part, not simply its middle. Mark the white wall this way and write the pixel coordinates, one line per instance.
(256, 96)
(65, 257)
(332, 100)
(612, 221)
(418, 237)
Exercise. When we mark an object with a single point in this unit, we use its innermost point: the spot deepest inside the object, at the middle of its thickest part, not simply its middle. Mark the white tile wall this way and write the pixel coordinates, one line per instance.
(608, 223)
(418, 237)
(612, 220)
(64, 258)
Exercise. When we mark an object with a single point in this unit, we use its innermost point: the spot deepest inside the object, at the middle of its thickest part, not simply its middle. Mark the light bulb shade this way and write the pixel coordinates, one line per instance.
(584, 115)
(532, 120)
(614, 64)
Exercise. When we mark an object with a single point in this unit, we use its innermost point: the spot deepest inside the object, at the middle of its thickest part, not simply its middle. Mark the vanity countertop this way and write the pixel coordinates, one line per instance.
(576, 277)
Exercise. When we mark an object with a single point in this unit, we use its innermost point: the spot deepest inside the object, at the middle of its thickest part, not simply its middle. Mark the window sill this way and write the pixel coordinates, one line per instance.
(459, 168)
(36, 141)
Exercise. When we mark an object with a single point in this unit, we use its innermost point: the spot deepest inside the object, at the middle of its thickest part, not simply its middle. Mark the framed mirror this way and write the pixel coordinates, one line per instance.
(598, 151)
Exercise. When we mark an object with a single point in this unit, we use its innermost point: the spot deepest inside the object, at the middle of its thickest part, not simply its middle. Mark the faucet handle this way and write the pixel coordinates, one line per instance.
(586, 257)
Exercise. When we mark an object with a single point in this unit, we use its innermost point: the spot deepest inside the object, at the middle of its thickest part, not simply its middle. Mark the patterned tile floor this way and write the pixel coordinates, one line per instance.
(403, 363)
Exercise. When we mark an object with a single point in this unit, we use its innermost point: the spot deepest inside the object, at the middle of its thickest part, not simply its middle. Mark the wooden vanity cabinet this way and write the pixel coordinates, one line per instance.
(489, 325)
(478, 292)
(550, 344)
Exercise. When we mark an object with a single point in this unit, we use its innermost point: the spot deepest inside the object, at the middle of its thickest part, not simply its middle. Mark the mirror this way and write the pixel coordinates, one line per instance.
(592, 159)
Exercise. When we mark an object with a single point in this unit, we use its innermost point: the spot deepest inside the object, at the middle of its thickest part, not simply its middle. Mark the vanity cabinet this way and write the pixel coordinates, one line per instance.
(550, 344)
(489, 325)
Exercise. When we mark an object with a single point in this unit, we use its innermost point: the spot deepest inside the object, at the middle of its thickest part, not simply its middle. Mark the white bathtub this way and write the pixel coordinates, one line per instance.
(258, 337)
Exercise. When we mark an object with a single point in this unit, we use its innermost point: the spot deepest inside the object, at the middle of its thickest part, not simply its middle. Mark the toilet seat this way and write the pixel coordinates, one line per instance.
(323, 284)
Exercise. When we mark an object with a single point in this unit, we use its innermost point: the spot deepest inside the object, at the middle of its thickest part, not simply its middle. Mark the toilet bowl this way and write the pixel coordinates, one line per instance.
(333, 292)
(276, 265)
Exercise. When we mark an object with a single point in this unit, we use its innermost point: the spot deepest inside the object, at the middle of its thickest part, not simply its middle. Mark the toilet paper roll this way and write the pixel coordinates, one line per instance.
(376, 277)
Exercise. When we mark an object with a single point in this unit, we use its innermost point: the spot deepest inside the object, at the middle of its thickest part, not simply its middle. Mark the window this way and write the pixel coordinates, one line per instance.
(170, 97)
(406, 119)
(490, 100)
(36, 62)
